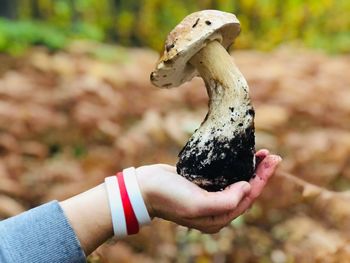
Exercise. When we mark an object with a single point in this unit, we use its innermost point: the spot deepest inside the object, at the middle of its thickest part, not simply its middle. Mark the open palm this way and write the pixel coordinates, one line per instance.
(172, 197)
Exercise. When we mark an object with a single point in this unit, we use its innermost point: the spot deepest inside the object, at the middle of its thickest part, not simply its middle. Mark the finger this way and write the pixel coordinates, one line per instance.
(211, 230)
(262, 153)
(216, 203)
(217, 221)
(265, 170)
(259, 156)
(199, 225)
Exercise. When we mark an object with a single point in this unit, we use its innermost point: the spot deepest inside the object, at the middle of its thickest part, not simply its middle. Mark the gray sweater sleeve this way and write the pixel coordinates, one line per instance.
(42, 234)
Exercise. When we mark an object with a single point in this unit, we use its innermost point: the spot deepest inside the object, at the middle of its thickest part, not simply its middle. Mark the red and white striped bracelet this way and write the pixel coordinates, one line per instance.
(127, 206)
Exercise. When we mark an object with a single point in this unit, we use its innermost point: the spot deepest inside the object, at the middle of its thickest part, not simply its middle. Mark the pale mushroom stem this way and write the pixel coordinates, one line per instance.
(214, 63)
(226, 86)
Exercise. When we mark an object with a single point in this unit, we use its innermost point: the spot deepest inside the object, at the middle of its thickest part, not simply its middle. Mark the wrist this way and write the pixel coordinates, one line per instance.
(145, 179)
(128, 209)
(157, 184)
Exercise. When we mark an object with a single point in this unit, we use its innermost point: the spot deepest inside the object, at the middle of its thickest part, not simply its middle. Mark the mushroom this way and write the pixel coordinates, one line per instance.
(222, 150)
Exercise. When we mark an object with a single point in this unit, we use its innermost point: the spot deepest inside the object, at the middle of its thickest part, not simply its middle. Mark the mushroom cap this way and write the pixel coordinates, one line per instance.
(189, 37)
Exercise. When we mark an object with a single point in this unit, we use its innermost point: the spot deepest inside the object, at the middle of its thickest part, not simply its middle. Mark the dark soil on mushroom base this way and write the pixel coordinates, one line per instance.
(221, 163)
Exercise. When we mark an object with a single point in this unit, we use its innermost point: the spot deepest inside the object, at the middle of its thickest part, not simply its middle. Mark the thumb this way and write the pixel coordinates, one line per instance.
(216, 203)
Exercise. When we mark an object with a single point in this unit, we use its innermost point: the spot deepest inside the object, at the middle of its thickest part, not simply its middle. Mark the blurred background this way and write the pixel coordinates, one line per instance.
(76, 105)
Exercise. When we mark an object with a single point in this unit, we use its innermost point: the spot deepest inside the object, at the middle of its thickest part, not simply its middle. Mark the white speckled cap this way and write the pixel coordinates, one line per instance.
(186, 39)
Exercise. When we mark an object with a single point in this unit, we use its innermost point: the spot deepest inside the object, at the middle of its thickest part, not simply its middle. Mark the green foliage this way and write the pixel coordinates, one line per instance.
(17, 36)
(266, 24)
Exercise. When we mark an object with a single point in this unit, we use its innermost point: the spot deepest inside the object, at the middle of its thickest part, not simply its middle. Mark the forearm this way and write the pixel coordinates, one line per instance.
(58, 232)
(90, 217)
(41, 234)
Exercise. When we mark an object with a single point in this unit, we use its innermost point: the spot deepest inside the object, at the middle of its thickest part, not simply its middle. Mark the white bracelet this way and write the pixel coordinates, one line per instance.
(135, 196)
(116, 206)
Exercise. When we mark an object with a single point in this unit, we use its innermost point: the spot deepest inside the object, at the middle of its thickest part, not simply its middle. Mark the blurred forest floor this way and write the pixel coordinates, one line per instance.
(70, 118)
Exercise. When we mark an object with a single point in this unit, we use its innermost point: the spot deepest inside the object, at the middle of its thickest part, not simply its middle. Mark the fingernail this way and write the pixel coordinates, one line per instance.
(245, 187)
(275, 158)
(278, 158)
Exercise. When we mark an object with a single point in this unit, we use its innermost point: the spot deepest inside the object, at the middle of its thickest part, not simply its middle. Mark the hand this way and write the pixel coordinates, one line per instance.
(172, 197)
